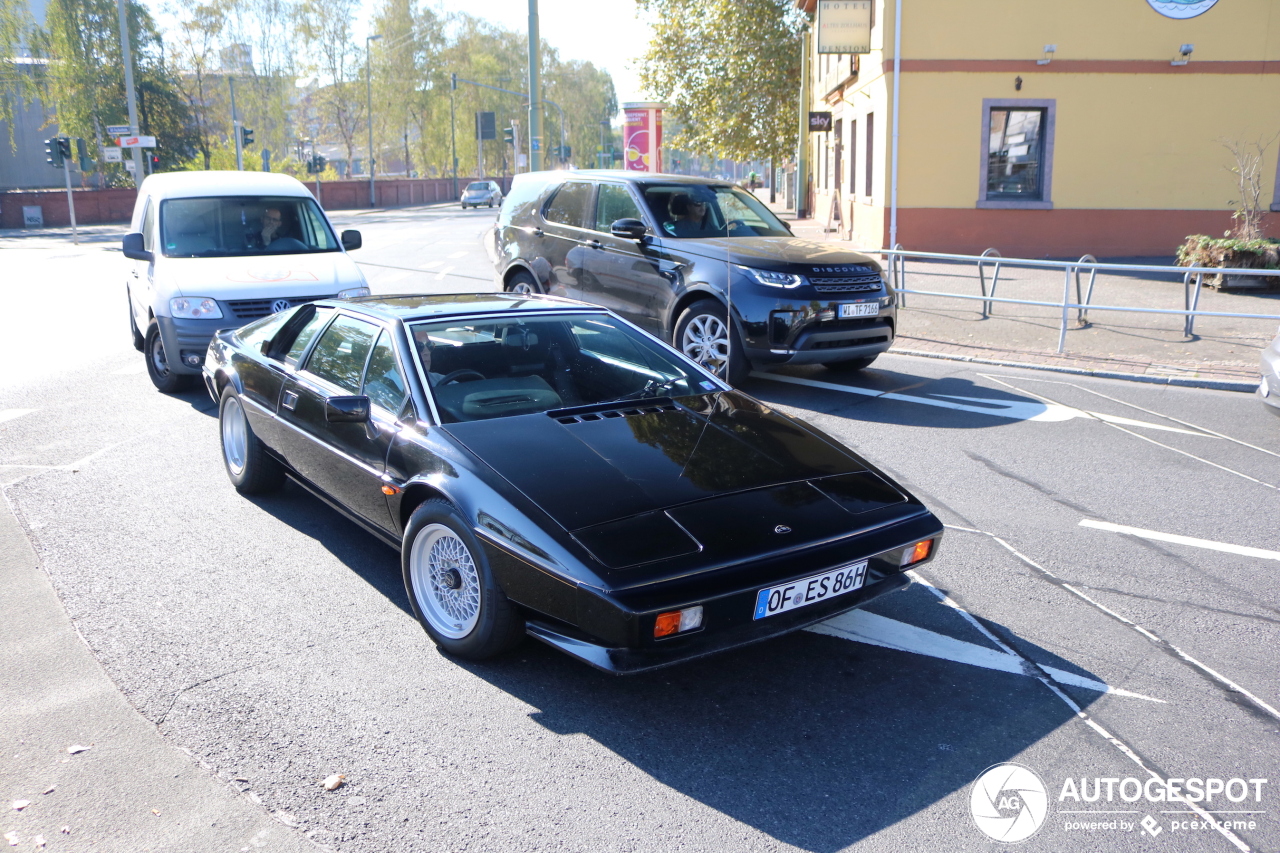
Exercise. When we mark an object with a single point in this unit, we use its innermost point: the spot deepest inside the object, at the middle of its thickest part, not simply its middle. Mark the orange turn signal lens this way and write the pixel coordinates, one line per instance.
(920, 551)
(390, 490)
(667, 624)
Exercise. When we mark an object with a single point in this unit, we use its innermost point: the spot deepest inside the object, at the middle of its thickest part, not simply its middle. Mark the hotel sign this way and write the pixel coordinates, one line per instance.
(844, 26)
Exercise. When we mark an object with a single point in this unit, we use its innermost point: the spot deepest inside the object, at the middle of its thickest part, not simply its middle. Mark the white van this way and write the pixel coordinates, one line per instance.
(217, 250)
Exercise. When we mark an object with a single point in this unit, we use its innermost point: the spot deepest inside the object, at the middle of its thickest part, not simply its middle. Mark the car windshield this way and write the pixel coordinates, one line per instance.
(507, 366)
(477, 187)
(229, 226)
(697, 210)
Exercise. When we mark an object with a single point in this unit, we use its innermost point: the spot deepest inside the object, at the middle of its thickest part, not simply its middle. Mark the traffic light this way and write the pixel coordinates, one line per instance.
(509, 135)
(453, 81)
(316, 165)
(246, 137)
(53, 152)
(82, 154)
(153, 160)
(64, 147)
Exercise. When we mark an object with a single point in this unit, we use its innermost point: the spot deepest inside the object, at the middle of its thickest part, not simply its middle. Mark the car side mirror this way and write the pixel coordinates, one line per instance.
(628, 229)
(351, 240)
(347, 410)
(133, 248)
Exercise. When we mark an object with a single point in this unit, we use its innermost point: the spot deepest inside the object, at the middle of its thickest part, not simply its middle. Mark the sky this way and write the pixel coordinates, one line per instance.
(606, 33)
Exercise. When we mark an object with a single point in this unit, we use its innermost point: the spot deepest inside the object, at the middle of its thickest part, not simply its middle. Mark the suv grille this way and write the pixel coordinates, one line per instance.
(253, 309)
(846, 284)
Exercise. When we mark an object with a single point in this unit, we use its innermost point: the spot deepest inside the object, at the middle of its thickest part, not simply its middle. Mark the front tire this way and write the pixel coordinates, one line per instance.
(250, 468)
(524, 284)
(162, 376)
(705, 335)
(451, 587)
(852, 365)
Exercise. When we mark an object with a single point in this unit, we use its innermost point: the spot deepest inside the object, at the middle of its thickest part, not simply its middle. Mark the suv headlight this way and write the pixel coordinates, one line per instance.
(195, 308)
(353, 292)
(775, 279)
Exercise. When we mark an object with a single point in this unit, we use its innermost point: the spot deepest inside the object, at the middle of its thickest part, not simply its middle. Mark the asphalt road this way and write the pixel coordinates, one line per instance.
(272, 639)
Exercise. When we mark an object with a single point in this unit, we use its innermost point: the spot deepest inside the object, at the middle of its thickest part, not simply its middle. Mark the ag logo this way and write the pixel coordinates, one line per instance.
(1009, 802)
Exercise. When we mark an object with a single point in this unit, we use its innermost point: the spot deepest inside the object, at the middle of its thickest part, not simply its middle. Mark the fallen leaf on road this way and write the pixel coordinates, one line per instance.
(76, 749)
(156, 812)
(38, 841)
(49, 790)
(12, 838)
(66, 830)
(19, 805)
(334, 782)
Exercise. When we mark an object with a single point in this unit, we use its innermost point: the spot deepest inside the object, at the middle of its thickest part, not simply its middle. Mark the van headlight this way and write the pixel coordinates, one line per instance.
(194, 308)
(353, 292)
(775, 279)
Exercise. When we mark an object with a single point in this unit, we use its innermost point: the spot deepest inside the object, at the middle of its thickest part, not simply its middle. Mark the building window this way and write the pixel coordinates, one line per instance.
(869, 160)
(1017, 154)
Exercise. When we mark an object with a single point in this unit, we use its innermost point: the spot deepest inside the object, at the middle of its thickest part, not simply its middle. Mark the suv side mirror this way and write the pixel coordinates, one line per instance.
(346, 410)
(351, 240)
(132, 246)
(628, 229)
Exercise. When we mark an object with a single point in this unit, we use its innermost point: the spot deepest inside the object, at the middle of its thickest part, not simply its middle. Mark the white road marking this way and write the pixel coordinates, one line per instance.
(10, 414)
(136, 367)
(862, 626)
(456, 255)
(1080, 713)
(444, 272)
(1243, 550)
(1018, 410)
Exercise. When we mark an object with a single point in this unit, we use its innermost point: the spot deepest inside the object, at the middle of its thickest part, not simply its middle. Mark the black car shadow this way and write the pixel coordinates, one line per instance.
(813, 740)
(932, 402)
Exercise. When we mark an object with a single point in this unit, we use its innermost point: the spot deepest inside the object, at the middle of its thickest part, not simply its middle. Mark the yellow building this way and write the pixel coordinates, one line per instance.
(1046, 129)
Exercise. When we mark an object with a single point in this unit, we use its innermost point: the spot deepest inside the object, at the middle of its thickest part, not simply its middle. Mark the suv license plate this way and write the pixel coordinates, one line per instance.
(780, 599)
(860, 309)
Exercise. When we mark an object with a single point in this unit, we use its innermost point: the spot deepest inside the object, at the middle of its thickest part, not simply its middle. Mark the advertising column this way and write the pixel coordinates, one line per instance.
(642, 137)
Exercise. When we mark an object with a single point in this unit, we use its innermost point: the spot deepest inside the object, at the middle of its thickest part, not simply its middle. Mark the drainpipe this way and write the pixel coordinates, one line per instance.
(897, 88)
(802, 152)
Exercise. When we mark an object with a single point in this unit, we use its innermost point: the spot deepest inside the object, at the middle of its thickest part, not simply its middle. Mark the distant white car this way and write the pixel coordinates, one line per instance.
(216, 250)
(481, 192)
(1269, 388)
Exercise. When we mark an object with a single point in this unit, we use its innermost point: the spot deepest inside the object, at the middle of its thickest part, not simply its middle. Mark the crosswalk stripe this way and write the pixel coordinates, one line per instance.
(10, 414)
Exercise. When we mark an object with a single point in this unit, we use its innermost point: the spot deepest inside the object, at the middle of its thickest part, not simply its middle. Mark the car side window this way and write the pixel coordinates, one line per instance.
(569, 205)
(613, 202)
(305, 335)
(149, 226)
(341, 352)
(383, 382)
(260, 331)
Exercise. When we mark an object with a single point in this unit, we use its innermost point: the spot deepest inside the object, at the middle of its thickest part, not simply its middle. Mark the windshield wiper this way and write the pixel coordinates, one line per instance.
(652, 388)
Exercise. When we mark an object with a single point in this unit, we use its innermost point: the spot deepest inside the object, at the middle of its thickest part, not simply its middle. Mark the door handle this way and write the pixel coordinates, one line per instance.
(594, 244)
(537, 232)
(290, 400)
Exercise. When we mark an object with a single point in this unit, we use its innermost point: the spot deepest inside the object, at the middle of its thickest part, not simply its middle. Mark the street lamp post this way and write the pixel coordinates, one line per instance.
(368, 75)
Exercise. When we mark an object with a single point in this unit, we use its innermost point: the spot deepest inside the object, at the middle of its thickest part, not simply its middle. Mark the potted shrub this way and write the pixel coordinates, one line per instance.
(1244, 246)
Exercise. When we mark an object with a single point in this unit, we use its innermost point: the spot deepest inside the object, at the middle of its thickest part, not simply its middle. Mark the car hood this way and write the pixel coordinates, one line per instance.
(773, 253)
(319, 274)
(619, 477)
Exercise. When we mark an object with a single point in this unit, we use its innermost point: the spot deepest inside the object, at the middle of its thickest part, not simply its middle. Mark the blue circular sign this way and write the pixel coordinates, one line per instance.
(1181, 9)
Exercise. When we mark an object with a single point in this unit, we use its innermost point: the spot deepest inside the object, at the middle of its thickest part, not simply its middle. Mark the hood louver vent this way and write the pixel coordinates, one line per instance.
(582, 414)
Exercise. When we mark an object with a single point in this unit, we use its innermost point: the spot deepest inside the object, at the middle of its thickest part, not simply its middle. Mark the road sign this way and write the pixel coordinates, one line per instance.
(118, 130)
(130, 166)
(486, 127)
(137, 142)
(111, 154)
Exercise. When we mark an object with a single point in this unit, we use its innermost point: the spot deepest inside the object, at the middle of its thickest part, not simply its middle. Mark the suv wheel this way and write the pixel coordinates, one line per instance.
(705, 335)
(523, 283)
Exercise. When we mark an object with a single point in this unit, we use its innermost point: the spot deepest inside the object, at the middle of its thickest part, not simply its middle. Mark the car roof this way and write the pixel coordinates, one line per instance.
(409, 307)
(632, 177)
(221, 183)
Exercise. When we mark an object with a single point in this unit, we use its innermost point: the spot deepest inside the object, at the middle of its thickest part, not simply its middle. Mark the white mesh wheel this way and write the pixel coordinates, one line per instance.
(445, 582)
(235, 436)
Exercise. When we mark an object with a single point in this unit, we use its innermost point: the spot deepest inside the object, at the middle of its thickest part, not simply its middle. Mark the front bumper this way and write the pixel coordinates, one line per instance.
(803, 326)
(185, 340)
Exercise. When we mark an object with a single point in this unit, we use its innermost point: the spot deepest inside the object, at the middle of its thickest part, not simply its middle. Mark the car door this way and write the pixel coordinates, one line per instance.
(141, 273)
(567, 216)
(344, 460)
(625, 275)
(259, 364)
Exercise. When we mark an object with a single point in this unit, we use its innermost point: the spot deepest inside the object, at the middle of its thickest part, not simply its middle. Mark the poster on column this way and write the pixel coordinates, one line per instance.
(642, 137)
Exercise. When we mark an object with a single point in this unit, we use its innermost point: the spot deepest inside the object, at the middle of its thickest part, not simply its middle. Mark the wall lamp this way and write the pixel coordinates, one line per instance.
(1185, 53)
(1049, 51)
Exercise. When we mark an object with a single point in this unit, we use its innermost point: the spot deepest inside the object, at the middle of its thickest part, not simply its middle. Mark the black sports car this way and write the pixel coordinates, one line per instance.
(546, 468)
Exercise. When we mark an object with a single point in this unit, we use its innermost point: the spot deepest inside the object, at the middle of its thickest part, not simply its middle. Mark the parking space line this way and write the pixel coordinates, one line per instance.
(10, 414)
(862, 626)
(1209, 544)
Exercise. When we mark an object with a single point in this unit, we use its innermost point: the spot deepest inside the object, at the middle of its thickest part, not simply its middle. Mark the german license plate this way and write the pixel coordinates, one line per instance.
(860, 309)
(780, 599)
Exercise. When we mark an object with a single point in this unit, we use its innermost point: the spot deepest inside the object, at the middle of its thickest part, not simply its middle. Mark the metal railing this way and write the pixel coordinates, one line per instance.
(1071, 269)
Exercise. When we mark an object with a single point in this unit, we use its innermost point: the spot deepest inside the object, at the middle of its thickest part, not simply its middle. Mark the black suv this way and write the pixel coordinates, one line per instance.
(678, 255)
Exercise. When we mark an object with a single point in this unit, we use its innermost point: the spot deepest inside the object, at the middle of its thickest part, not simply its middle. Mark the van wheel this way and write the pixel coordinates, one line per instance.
(705, 335)
(165, 380)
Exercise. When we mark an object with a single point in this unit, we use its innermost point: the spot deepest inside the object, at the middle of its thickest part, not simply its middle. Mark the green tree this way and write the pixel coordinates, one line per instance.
(730, 72)
(407, 78)
(19, 84)
(337, 102)
(194, 50)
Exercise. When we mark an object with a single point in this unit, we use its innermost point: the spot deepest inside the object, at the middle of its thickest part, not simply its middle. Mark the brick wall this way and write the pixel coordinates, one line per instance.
(116, 205)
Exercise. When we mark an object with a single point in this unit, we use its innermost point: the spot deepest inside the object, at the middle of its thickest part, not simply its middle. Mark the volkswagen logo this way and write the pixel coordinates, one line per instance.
(279, 305)
(782, 528)
(1009, 802)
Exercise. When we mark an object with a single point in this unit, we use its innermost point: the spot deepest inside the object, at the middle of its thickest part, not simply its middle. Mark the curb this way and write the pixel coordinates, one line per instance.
(1178, 381)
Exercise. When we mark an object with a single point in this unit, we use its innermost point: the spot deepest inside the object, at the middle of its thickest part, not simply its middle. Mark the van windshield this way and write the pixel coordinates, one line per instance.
(231, 226)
